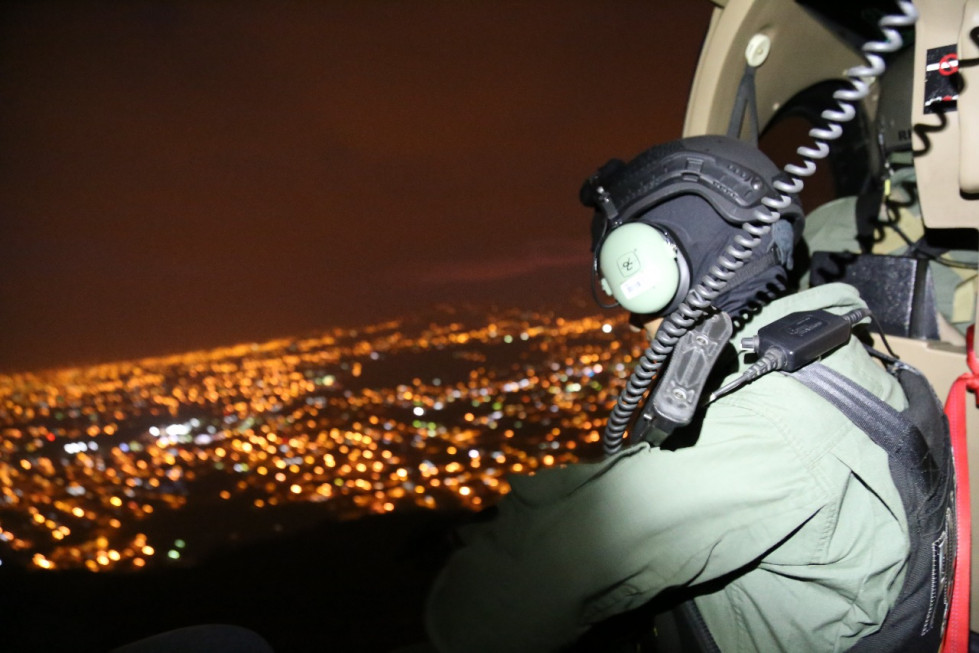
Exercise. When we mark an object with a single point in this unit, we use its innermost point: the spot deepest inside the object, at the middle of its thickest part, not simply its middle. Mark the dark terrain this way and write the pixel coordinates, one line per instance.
(338, 586)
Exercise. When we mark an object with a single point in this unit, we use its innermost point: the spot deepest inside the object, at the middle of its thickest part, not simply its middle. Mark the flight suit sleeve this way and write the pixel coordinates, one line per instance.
(573, 546)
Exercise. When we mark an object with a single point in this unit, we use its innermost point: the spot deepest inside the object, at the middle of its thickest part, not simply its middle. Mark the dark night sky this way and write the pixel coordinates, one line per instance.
(186, 174)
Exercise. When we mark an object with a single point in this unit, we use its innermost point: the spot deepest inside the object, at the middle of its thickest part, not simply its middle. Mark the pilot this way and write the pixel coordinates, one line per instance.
(767, 519)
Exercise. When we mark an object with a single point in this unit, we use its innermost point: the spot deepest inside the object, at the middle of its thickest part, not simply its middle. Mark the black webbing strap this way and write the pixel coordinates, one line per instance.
(888, 428)
(916, 441)
(913, 440)
(745, 102)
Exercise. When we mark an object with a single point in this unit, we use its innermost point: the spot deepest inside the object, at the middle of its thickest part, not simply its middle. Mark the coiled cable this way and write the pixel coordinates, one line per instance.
(743, 244)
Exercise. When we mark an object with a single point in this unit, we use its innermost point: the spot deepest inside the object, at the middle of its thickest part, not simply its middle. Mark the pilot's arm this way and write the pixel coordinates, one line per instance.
(573, 546)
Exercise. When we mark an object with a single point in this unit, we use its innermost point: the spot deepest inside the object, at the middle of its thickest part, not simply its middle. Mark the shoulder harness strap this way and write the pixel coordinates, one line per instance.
(919, 454)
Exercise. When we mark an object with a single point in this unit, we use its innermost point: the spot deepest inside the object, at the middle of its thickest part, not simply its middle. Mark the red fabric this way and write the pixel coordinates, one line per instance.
(957, 631)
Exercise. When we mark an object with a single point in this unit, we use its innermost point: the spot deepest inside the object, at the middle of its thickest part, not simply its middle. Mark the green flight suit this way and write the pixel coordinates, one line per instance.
(780, 491)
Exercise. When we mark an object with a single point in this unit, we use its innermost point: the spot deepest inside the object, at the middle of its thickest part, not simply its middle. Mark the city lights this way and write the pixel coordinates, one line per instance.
(425, 414)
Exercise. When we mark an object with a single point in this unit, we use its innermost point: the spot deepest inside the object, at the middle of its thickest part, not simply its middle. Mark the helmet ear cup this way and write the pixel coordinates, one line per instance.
(640, 267)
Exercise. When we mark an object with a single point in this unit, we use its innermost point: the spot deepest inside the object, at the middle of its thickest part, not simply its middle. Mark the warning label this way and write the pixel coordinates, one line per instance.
(942, 79)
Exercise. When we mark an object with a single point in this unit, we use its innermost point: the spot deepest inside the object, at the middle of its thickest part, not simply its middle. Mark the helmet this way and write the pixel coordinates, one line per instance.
(663, 219)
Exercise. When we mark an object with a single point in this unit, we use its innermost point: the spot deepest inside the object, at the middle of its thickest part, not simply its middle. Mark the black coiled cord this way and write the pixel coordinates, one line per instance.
(743, 244)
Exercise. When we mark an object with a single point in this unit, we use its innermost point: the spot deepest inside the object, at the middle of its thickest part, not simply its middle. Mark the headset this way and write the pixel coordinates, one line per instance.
(652, 261)
(664, 218)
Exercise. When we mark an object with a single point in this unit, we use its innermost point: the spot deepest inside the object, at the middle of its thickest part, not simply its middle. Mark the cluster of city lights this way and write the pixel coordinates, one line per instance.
(96, 462)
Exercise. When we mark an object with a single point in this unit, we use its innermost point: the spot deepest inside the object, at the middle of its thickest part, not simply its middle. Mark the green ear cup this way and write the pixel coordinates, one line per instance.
(639, 267)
